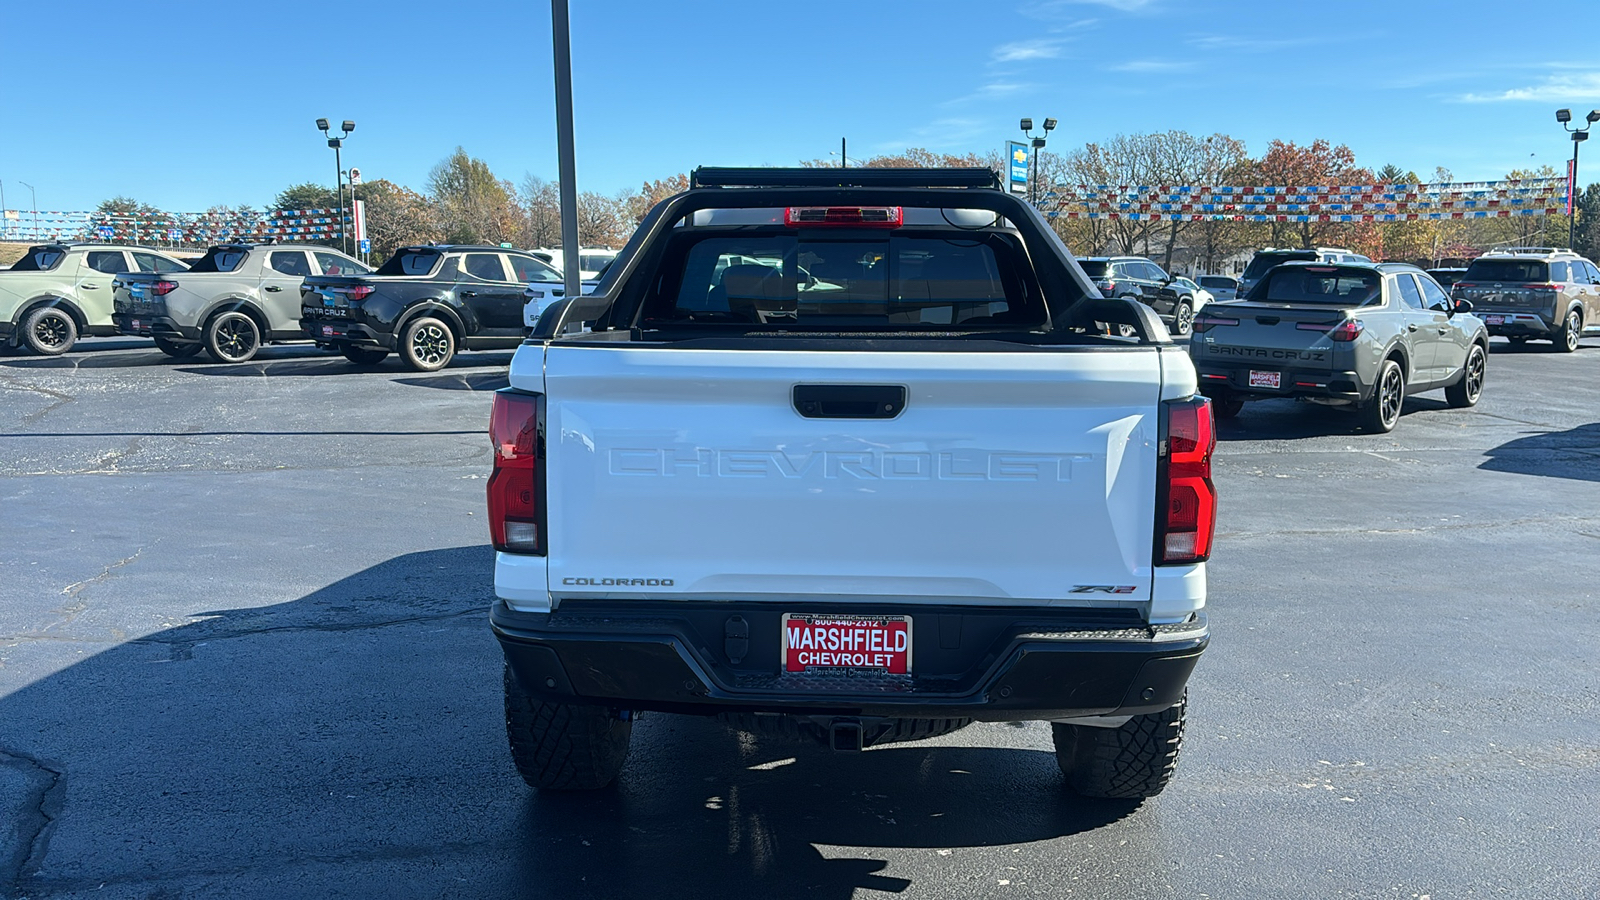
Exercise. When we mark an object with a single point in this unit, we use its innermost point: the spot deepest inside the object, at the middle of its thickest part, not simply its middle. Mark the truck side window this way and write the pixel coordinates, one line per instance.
(108, 261)
(1434, 295)
(1408, 291)
(290, 262)
(1558, 271)
(485, 266)
(149, 262)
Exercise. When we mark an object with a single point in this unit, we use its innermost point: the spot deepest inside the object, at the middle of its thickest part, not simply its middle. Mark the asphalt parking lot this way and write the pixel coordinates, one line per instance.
(244, 653)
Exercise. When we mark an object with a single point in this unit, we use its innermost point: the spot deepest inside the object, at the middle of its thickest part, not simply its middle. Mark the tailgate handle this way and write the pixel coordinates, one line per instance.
(849, 401)
(1266, 320)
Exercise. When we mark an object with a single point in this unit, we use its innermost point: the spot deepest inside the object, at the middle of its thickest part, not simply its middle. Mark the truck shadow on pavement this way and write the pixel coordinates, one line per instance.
(1574, 453)
(325, 364)
(352, 742)
(145, 355)
(1288, 420)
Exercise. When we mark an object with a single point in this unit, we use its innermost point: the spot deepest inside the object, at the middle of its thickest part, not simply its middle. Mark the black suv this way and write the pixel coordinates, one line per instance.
(1137, 278)
(1537, 293)
(424, 303)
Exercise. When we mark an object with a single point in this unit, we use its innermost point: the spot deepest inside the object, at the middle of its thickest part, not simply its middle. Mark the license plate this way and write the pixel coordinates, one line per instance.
(1494, 320)
(1266, 379)
(136, 323)
(327, 331)
(813, 641)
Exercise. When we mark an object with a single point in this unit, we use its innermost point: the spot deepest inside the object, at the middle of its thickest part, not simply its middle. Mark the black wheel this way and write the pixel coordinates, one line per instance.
(232, 337)
(561, 746)
(1466, 392)
(1133, 761)
(1566, 339)
(1183, 318)
(177, 349)
(1381, 413)
(49, 331)
(1226, 408)
(364, 356)
(427, 344)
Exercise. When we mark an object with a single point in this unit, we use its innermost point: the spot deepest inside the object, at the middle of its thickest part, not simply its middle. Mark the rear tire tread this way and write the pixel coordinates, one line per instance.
(1131, 762)
(563, 746)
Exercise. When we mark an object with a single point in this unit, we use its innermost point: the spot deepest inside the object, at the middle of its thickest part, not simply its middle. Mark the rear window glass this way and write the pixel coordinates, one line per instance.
(220, 259)
(39, 259)
(410, 262)
(857, 282)
(290, 262)
(1319, 284)
(1214, 281)
(593, 262)
(1507, 270)
(1261, 262)
(1446, 277)
(526, 268)
(111, 262)
(1094, 268)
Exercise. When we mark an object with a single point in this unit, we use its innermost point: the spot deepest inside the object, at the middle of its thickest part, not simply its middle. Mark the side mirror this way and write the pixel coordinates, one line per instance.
(1462, 305)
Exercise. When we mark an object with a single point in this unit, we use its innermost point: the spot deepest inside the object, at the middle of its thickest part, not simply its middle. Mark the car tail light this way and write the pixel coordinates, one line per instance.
(1186, 516)
(1206, 323)
(516, 487)
(1541, 287)
(358, 291)
(1108, 288)
(1466, 284)
(843, 216)
(1348, 330)
(163, 288)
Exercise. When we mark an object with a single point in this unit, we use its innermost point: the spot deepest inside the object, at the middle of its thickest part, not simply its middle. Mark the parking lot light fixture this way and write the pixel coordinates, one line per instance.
(337, 143)
(1026, 125)
(1579, 135)
(1038, 144)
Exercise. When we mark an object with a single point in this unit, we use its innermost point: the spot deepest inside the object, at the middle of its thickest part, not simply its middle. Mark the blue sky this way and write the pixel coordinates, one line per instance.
(102, 106)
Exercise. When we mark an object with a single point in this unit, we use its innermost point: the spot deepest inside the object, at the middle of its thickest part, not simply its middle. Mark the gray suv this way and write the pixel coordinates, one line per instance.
(1534, 293)
(1137, 278)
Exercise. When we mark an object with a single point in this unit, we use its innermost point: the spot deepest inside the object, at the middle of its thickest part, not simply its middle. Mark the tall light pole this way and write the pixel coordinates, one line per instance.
(1038, 144)
(337, 143)
(566, 152)
(35, 197)
(1579, 135)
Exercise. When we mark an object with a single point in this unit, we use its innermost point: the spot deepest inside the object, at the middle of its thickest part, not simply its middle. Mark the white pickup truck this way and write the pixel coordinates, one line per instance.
(854, 454)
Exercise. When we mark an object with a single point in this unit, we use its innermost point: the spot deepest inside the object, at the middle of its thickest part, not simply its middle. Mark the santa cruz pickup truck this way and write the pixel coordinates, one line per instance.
(58, 292)
(855, 454)
(427, 302)
(230, 302)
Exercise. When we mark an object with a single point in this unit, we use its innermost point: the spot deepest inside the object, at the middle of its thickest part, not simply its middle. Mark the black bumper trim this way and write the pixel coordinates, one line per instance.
(345, 332)
(1235, 380)
(154, 326)
(653, 660)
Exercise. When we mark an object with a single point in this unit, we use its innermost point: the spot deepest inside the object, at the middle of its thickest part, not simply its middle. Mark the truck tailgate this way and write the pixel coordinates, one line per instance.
(1269, 334)
(1007, 477)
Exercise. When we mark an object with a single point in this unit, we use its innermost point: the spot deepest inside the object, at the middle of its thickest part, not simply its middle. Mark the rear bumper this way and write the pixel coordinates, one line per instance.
(1517, 323)
(342, 332)
(969, 662)
(1233, 379)
(6, 330)
(154, 326)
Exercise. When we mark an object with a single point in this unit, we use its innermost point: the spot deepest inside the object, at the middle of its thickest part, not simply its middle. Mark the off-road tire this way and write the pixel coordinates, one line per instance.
(427, 344)
(364, 356)
(1571, 331)
(1131, 762)
(1227, 409)
(177, 349)
(232, 337)
(49, 331)
(1183, 319)
(1465, 393)
(563, 746)
(1381, 413)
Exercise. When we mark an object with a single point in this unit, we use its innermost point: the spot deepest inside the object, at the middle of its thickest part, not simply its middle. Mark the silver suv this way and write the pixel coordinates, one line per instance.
(1534, 293)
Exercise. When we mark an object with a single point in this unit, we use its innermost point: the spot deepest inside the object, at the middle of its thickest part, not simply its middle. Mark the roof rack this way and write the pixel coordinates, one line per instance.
(708, 176)
(1534, 251)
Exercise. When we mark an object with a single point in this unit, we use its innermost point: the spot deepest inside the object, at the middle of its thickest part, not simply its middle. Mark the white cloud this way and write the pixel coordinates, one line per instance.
(1579, 87)
(1152, 65)
(994, 90)
(1058, 9)
(1244, 44)
(1019, 51)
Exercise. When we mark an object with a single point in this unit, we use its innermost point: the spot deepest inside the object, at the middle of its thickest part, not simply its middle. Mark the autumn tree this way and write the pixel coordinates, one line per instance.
(1586, 235)
(541, 208)
(1319, 164)
(473, 206)
(308, 195)
(397, 216)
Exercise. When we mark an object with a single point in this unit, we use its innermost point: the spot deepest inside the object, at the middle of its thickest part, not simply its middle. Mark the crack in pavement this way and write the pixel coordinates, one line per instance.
(73, 591)
(37, 818)
(12, 384)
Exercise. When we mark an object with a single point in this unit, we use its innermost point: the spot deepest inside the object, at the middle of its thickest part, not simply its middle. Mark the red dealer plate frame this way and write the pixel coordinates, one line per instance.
(861, 642)
(1272, 380)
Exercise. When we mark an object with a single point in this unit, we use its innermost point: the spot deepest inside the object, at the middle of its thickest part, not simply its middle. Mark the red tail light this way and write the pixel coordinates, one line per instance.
(1541, 287)
(163, 288)
(1108, 288)
(1348, 330)
(516, 487)
(1206, 323)
(1187, 515)
(358, 291)
(1466, 284)
(843, 216)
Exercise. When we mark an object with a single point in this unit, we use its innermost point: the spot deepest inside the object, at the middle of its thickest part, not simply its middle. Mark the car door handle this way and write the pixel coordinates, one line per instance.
(1411, 327)
(274, 288)
(1444, 331)
(89, 286)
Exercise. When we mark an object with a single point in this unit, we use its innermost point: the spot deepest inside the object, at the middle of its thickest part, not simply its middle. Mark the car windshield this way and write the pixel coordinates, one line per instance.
(1262, 262)
(895, 281)
(411, 261)
(220, 259)
(1319, 284)
(1507, 270)
(39, 259)
(1094, 268)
